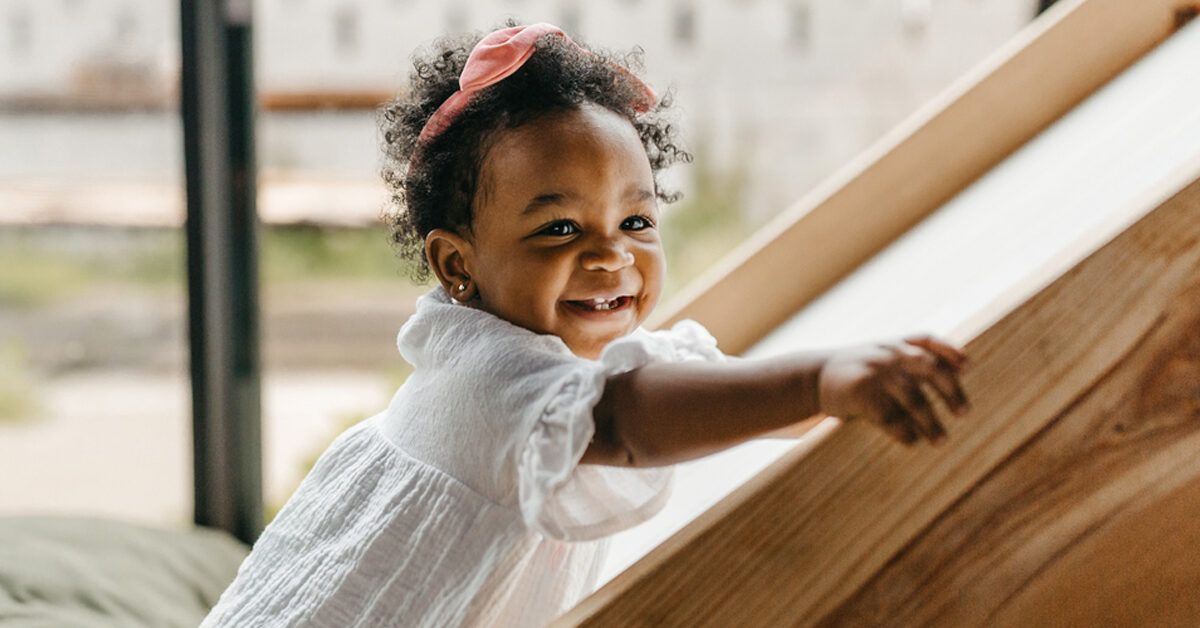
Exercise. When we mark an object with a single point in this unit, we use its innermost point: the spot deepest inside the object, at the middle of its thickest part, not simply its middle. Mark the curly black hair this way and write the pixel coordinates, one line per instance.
(438, 190)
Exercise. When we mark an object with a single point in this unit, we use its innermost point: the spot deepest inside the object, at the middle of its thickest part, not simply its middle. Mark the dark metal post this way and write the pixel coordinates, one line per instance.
(217, 97)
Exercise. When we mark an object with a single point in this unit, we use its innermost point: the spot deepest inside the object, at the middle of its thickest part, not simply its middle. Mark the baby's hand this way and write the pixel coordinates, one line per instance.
(881, 384)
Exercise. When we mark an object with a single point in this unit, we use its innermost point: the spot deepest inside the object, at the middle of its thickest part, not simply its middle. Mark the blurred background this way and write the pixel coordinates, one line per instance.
(773, 96)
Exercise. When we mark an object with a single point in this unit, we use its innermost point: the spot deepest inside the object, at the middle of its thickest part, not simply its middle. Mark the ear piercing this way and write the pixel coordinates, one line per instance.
(460, 294)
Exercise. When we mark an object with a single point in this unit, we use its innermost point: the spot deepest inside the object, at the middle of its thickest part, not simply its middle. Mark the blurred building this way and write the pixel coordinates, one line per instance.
(781, 91)
(88, 53)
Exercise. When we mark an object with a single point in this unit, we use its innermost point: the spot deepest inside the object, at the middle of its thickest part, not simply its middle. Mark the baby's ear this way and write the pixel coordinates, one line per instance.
(450, 255)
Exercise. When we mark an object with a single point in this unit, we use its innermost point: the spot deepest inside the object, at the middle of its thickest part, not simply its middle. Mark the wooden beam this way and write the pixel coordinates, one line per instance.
(1042, 73)
(806, 535)
(280, 100)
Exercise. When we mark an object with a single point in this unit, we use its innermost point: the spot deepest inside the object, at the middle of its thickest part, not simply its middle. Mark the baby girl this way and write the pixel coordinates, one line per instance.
(541, 418)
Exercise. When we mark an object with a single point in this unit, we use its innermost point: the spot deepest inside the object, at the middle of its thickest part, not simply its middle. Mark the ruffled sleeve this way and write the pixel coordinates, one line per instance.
(568, 501)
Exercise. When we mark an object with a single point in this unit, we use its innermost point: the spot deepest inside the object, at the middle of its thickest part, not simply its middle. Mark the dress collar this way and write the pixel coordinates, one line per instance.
(440, 324)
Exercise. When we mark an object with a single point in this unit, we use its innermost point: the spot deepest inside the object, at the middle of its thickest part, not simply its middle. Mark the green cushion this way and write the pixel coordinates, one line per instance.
(77, 571)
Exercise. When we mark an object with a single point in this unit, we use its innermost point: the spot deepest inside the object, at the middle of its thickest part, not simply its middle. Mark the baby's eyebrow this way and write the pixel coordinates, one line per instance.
(541, 200)
(639, 194)
(563, 198)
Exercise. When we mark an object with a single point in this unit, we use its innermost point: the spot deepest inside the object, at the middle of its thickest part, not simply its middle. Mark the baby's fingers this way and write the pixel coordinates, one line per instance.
(951, 390)
(895, 421)
(930, 367)
(944, 379)
(941, 349)
(908, 394)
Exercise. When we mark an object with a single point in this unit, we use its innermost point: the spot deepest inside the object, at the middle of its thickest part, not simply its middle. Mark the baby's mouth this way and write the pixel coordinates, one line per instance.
(600, 306)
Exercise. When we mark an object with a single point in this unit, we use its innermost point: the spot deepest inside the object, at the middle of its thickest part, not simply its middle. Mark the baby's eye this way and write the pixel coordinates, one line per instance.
(636, 223)
(560, 228)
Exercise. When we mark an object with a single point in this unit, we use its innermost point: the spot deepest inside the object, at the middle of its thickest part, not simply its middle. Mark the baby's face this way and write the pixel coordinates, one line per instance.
(566, 215)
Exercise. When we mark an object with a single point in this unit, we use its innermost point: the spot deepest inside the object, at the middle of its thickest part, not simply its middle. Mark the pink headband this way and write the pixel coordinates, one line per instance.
(494, 58)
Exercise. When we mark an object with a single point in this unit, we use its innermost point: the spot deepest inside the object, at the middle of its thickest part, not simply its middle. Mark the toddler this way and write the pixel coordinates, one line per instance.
(540, 417)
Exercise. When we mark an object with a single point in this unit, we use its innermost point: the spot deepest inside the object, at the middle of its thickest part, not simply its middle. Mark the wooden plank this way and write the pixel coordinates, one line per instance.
(1070, 530)
(1049, 67)
(802, 537)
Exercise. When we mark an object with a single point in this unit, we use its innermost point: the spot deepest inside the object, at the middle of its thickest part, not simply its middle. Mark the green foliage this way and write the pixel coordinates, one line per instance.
(704, 226)
(40, 266)
(18, 400)
(300, 253)
(160, 264)
(28, 281)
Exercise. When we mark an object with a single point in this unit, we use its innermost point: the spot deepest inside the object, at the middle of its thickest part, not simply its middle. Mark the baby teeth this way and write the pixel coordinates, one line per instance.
(603, 304)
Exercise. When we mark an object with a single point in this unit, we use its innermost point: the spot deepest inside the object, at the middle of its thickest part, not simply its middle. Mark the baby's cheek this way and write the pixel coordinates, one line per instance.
(653, 283)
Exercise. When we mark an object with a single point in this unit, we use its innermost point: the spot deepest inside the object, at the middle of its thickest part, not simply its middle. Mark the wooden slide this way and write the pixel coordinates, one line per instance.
(1045, 213)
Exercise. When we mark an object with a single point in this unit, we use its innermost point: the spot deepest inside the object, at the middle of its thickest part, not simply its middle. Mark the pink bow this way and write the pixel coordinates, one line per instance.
(496, 57)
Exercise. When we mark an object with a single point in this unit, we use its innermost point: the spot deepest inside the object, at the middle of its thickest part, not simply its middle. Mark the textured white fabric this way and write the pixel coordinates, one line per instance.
(462, 503)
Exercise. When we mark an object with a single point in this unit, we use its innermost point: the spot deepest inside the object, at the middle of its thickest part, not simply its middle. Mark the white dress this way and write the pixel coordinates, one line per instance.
(463, 503)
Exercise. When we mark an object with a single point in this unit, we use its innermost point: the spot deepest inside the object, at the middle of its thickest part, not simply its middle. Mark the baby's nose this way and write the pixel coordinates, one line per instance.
(607, 254)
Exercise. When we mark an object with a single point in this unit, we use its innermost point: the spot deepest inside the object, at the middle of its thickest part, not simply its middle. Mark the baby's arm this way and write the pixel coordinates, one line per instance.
(662, 414)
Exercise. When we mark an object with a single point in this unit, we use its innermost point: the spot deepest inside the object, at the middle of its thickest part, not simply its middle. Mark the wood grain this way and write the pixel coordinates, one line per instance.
(1096, 520)
(796, 542)
(1028, 84)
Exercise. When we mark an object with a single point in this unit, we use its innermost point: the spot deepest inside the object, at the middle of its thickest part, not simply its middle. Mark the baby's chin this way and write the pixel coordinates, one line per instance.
(587, 339)
(591, 347)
